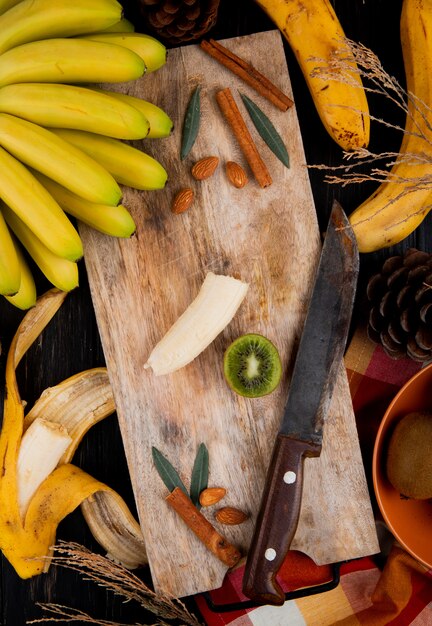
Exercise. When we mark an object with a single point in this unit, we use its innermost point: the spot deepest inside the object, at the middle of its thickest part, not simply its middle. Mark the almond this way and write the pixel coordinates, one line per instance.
(211, 495)
(204, 168)
(236, 174)
(182, 200)
(230, 516)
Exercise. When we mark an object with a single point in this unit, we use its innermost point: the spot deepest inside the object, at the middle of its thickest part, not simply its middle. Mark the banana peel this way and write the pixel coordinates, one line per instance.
(26, 541)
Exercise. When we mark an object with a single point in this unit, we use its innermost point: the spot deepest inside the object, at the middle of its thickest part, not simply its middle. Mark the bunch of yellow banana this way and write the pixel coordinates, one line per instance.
(400, 204)
(315, 35)
(62, 139)
(38, 484)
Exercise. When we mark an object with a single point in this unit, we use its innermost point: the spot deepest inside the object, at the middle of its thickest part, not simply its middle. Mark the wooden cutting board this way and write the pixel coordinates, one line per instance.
(269, 238)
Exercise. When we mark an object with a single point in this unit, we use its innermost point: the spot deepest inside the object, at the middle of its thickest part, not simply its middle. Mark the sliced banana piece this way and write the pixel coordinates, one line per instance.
(212, 310)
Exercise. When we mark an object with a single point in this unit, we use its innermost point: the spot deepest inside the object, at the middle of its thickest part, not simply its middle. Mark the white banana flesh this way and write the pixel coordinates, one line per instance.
(212, 310)
(41, 449)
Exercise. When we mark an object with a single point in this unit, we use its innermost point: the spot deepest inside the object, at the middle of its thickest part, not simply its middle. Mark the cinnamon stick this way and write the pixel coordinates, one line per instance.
(202, 528)
(234, 118)
(248, 73)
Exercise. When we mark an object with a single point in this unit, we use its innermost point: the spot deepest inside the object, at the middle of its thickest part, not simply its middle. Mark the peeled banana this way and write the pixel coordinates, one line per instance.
(25, 298)
(46, 152)
(128, 165)
(70, 106)
(61, 272)
(161, 124)
(42, 447)
(149, 49)
(213, 308)
(10, 268)
(69, 61)
(76, 404)
(37, 208)
(398, 206)
(110, 220)
(32, 20)
(34, 497)
(313, 31)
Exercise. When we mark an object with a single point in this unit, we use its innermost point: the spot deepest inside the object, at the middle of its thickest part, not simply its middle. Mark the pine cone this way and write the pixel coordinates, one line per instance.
(400, 297)
(177, 21)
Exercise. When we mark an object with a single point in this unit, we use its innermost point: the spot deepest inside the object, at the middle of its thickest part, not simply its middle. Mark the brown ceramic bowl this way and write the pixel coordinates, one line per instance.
(409, 520)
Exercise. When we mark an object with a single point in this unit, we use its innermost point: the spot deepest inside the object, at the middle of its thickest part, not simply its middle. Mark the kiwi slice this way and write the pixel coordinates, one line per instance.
(252, 366)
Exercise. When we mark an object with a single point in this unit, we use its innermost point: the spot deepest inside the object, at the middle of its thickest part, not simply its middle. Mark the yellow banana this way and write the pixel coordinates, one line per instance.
(46, 152)
(398, 206)
(37, 208)
(25, 298)
(151, 51)
(69, 61)
(32, 20)
(313, 31)
(110, 220)
(160, 123)
(123, 26)
(62, 273)
(127, 164)
(69, 106)
(5, 5)
(10, 268)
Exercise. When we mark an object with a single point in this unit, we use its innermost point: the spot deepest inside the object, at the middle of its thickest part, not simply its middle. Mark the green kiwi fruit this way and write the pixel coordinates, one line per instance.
(252, 366)
(409, 460)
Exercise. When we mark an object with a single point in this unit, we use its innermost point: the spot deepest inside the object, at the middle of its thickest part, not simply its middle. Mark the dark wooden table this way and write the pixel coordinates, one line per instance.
(71, 341)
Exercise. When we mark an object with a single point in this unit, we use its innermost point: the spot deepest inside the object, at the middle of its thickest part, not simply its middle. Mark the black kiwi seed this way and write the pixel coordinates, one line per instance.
(252, 366)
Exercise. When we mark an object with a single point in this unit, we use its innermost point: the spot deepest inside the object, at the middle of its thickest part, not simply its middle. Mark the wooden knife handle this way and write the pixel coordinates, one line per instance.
(277, 519)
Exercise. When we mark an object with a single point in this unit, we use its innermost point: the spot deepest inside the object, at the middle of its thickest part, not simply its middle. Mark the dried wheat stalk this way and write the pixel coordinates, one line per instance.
(116, 578)
(378, 81)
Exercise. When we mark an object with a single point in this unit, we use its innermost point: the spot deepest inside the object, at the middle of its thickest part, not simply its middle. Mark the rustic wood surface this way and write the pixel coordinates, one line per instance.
(71, 342)
(270, 239)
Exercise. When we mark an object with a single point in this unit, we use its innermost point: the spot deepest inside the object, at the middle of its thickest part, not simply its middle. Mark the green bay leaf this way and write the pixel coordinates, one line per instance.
(266, 130)
(199, 478)
(191, 123)
(167, 472)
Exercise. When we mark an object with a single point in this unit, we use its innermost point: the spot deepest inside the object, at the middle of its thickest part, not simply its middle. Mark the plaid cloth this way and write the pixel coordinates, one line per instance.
(392, 589)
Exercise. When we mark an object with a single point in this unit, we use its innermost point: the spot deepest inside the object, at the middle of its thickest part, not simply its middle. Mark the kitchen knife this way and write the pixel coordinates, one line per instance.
(316, 366)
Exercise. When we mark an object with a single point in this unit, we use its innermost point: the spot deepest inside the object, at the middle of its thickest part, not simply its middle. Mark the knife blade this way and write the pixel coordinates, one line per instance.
(316, 366)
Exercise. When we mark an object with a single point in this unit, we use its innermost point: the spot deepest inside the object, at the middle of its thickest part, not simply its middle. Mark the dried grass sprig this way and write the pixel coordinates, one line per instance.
(66, 614)
(377, 80)
(117, 579)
